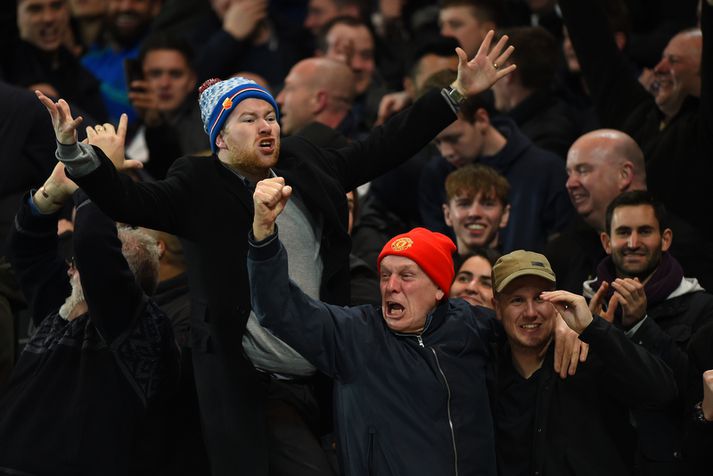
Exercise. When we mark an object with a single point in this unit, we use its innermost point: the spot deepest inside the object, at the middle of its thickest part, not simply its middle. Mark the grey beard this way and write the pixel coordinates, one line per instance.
(74, 299)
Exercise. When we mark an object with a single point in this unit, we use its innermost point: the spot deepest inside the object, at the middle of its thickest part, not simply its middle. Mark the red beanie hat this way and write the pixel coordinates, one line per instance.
(432, 251)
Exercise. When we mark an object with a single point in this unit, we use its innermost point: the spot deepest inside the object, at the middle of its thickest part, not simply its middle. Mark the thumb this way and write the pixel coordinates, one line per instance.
(613, 304)
(133, 164)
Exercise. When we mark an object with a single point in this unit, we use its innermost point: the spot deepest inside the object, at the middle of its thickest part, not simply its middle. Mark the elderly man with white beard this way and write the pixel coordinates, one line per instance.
(85, 392)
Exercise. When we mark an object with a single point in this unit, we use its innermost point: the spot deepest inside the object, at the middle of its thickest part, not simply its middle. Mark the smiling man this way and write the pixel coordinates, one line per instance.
(641, 281)
(477, 207)
(547, 425)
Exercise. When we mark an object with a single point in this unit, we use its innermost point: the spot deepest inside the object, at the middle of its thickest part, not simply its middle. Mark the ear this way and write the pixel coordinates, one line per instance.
(161, 248)
(482, 119)
(606, 242)
(440, 294)
(494, 303)
(506, 217)
(666, 239)
(220, 142)
(319, 102)
(447, 214)
(626, 176)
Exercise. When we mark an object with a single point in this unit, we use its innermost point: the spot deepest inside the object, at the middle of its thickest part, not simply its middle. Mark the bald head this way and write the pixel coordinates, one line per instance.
(600, 165)
(316, 89)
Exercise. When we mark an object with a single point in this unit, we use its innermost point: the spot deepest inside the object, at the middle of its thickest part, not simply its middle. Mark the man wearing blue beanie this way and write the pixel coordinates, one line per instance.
(244, 375)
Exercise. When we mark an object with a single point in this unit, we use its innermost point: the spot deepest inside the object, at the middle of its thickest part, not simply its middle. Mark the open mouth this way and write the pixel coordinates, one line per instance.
(394, 309)
(266, 145)
(530, 326)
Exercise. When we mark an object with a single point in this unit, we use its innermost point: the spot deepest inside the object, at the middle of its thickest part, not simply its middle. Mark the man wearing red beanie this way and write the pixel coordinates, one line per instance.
(410, 387)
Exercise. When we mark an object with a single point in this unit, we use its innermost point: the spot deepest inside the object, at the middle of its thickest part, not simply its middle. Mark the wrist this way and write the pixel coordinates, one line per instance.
(262, 232)
(703, 412)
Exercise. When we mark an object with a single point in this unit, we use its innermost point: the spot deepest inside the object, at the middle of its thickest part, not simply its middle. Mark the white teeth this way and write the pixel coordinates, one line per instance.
(474, 226)
(530, 326)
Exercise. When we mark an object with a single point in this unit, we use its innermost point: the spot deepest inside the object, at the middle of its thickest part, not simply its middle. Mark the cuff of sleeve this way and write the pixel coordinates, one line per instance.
(264, 249)
(630, 333)
(598, 326)
(79, 159)
(31, 221)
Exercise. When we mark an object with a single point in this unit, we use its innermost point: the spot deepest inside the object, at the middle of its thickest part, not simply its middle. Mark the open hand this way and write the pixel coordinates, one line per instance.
(111, 142)
(596, 305)
(632, 299)
(269, 200)
(708, 395)
(487, 67)
(65, 127)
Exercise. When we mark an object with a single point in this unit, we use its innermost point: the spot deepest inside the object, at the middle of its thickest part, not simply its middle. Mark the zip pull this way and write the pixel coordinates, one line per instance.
(420, 341)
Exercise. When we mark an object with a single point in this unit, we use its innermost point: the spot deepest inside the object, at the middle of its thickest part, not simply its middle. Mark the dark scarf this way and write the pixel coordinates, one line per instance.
(663, 282)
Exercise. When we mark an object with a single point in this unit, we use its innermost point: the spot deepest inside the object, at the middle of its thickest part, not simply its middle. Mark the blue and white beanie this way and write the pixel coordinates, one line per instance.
(218, 99)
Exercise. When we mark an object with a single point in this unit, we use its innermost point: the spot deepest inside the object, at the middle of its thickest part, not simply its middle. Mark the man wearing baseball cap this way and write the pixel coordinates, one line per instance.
(410, 387)
(546, 425)
(207, 201)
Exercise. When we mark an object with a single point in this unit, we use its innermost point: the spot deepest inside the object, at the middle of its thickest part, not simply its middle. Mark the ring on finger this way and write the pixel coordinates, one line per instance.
(496, 65)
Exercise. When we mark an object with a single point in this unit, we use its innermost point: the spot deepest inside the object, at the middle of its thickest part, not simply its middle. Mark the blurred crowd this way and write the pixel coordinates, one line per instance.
(134, 134)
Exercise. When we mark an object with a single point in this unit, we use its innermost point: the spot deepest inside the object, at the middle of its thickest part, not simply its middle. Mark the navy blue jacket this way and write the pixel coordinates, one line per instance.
(405, 404)
(539, 200)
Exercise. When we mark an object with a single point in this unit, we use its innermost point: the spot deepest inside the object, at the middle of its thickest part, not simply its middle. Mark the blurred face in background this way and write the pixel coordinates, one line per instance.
(87, 8)
(169, 76)
(43, 23)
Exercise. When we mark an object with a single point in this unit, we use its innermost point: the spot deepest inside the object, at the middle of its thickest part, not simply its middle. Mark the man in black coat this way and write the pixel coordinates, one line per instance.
(208, 202)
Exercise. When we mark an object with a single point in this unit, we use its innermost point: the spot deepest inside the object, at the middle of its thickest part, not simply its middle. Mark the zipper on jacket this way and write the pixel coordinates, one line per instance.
(420, 340)
(450, 419)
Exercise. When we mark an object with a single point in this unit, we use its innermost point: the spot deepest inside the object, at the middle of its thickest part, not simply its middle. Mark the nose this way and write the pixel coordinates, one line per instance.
(572, 182)
(446, 31)
(445, 150)
(530, 309)
(474, 210)
(662, 66)
(633, 241)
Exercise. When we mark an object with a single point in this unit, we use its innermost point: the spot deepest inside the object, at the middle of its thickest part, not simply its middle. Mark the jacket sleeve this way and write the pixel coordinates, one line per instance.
(112, 293)
(157, 205)
(32, 251)
(391, 144)
(324, 334)
(615, 92)
(638, 378)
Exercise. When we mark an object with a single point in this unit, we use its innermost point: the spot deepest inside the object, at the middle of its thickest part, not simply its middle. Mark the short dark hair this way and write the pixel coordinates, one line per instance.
(433, 44)
(491, 255)
(468, 109)
(165, 41)
(536, 55)
(483, 10)
(636, 198)
(322, 44)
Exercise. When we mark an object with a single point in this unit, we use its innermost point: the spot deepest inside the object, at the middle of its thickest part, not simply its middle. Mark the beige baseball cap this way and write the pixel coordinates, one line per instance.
(520, 263)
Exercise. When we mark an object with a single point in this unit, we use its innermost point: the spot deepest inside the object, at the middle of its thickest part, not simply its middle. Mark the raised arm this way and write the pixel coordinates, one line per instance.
(32, 246)
(614, 89)
(320, 332)
(407, 132)
(95, 166)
